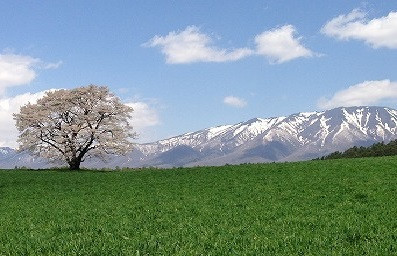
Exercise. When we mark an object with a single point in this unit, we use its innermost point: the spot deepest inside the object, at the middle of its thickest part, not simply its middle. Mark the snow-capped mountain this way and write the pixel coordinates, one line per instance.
(299, 136)
(5, 150)
(296, 137)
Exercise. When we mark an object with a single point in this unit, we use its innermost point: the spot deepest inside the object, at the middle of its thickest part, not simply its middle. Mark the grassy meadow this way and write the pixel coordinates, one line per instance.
(332, 207)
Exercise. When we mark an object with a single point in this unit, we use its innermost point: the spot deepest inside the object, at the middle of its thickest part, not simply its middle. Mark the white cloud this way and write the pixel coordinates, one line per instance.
(365, 93)
(234, 101)
(191, 45)
(143, 116)
(280, 45)
(8, 106)
(378, 32)
(18, 70)
(54, 65)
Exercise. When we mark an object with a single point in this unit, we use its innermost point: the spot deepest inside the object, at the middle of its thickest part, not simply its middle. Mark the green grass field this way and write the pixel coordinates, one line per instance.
(336, 207)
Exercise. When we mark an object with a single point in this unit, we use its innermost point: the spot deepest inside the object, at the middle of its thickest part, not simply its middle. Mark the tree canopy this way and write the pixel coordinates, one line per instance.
(73, 125)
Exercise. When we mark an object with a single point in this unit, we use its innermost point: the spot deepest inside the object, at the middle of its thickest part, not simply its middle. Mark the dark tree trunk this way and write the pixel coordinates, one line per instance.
(74, 164)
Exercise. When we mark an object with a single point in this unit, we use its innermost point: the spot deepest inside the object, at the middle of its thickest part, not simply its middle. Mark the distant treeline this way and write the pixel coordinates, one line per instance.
(377, 149)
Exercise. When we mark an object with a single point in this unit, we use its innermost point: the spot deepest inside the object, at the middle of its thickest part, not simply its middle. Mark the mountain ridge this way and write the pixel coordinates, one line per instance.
(299, 136)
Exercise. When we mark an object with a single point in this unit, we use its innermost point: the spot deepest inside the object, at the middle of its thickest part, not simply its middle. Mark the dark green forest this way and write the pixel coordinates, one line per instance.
(376, 150)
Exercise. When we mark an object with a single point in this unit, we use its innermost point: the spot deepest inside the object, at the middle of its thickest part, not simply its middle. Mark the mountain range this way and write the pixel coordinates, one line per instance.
(296, 137)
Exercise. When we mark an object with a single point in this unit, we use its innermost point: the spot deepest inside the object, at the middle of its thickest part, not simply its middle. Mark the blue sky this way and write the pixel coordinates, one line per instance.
(187, 65)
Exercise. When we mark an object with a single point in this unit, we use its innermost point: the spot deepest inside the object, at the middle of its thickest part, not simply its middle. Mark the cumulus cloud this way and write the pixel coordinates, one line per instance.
(281, 45)
(365, 93)
(191, 45)
(378, 32)
(143, 116)
(18, 70)
(234, 101)
(8, 106)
